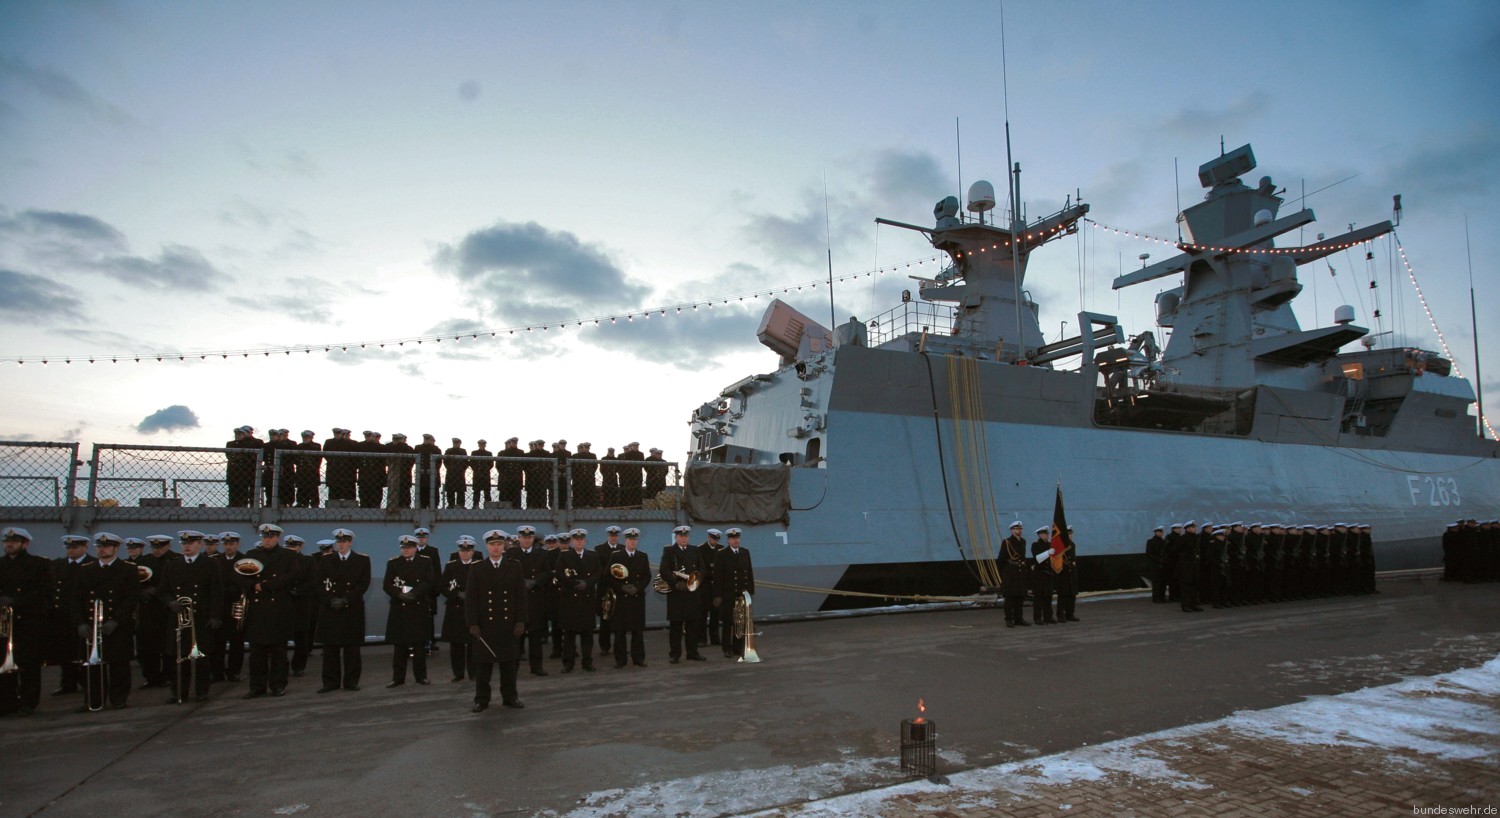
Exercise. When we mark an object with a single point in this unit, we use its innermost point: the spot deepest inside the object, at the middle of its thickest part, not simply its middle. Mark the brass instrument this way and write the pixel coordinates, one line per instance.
(607, 604)
(249, 567)
(144, 573)
(744, 627)
(8, 630)
(402, 587)
(237, 611)
(95, 696)
(186, 621)
(660, 585)
(619, 571)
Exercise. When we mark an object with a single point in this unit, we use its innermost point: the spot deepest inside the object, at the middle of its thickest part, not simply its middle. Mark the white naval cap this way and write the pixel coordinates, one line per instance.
(325, 544)
(1042, 530)
(579, 534)
(68, 539)
(134, 542)
(550, 538)
(733, 532)
(268, 530)
(495, 534)
(107, 538)
(614, 529)
(14, 533)
(715, 533)
(683, 529)
(343, 534)
(407, 540)
(186, 536)
(163, 540)
(632, 533)
(421, 532)
(1015, 524)
(293, 539)
(229, 536)
(525, 529)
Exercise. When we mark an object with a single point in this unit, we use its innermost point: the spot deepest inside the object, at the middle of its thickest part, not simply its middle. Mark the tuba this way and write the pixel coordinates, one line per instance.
(607, 604)
(249, 567)
(619, 571)
(8, 631)
(744, 627)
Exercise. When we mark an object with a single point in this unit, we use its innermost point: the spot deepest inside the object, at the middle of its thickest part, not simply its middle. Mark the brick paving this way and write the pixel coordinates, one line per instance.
(1421, 744)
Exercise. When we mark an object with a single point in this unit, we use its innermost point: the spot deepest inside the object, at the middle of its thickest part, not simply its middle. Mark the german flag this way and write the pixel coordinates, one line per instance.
(1060, 539)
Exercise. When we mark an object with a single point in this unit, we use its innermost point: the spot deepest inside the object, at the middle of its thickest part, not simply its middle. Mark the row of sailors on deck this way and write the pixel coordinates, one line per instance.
(187, 617)
(1240, 563)
(545, 479)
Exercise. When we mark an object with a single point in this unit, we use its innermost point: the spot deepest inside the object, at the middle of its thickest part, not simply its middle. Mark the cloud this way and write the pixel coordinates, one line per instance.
(899, 177)
(60, 87)
(32, 298)
(1461, 161)
(527, 273)
(283, 162)
(370, 354)
(170, 419)
(469, 90)
(62, 242)
(1199, 123)
(691, 340)
(104, 338)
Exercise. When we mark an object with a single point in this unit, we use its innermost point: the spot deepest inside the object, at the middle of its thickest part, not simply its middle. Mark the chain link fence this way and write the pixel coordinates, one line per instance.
(135, 482)
(37, 475)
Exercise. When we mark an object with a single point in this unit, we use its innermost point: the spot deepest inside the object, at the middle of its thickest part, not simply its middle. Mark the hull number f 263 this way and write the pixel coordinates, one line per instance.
(1433, 491)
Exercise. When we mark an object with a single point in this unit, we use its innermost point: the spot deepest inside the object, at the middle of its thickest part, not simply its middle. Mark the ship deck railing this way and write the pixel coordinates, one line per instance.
(911, 317)
(48, 482)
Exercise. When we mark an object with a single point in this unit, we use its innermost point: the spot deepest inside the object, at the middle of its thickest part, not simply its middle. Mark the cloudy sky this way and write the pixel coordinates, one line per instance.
(196, 177)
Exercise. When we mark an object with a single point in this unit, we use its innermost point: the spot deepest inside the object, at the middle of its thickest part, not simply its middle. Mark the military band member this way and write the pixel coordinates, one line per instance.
(454, 586)
(227, 657)
(342, 579)
(734, 576)
(709, 550)
(269, 611)
(304, 605)
(1042, 576)
(536, 571)
(1169, 562)
(606, 553)
(1187, 567)
(1014, 567)
(115, 586)
(508, 474)
(554, 545)
(1066, 581)
(576, 574)
(66, 648)
(680, 565)
(455, 475)
(480, 468)
(430, 552)
(629, 616)
(153, 619)
(309, 470)
(496, 616)
(1154, 558)
(409, 580)
(26, 597)
(197, 579)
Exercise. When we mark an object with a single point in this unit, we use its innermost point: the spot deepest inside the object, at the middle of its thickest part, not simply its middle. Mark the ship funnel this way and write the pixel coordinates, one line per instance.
(981, 197)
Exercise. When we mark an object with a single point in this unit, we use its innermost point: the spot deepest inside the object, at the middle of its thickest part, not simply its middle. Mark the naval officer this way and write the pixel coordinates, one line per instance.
(1014, 565)
(496, 615)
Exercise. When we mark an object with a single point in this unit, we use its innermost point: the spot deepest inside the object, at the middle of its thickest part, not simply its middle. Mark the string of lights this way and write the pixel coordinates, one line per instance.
(1411, 273)
(1189, 247)
(473, 335)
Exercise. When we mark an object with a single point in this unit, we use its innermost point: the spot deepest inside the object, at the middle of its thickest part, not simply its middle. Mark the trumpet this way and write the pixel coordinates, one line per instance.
(619, 571)
(94, 691)
(249, 567)
(8, 630)
(186, 621)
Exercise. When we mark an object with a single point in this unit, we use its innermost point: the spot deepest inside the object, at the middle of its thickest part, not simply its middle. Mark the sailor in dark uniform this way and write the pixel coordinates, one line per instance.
(561, 454)
(1217, 557)
(115, 585)
(606, 552)
(1255, 564)
(304, 605)
(538, 470)
(680, 565)
(339, 473)
(628, 575)
(1041, 575)
(65, 647)
(26, 591)
(285, 478)
(1273, 560)
(1237, 564)
(734, 576)
(409, 580)
(1014, 567)
(576, 574)
(227, 655)
(555, 544)
(585, 472)
(309, 470)
(454, 586)
(1066, 581)
(341, 580)
(241, 458)
(400, 459)
(154, 620)
(536, 569)
(1451, 572)
(609, 476)
(192, 586)
(1154, 559)
(1367, 558)
(1169, 563)
(430, 552)
(630, 475)
(269, 611)
(455, 465)
(428, 464)
(372, 471)
(656, 474)
(496, 614)
(508, 474)
(1187, 567)
(480, 469)
(709, 551)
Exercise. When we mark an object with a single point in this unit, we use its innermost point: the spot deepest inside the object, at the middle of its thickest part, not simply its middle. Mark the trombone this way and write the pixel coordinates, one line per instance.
(188, 622)
(94, 691)
(8, 631)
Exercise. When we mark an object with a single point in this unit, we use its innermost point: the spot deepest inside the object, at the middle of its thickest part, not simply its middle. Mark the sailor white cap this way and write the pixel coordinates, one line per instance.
(550, 538)
(14, 533)
(246, 429)
(428, 437)
(561, 443)
(185, 536)
(325, 544)
(495, 534)
(511, 440)
(579, 534)
(1190, 524)
(715, 533)
(655, 451)
(733, 532)
(525, 529)
(134, 542)
(456, 440)
(106, 538)
(1176, 526)
(269, 529)
(1236, 524)
(163, 540)
(1042, 530)
(293, 539)
(68, 539)
(213, 538)
(421, 532)
(309, 433)
(633, 443)
(343, 534)
(467, 539)
(396, 436)
(1015, 524)
(407, 540)
(229, 536)
(632, 533)
(614, 529)
(683, 529)
(1159, 528)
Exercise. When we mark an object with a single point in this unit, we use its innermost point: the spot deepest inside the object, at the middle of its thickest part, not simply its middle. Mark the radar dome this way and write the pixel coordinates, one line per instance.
(981, 197)
(1262, 217)
(1343, 314)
